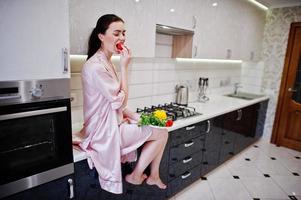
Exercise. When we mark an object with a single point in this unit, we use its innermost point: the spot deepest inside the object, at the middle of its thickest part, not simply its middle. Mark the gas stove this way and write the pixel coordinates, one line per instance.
(173, 110)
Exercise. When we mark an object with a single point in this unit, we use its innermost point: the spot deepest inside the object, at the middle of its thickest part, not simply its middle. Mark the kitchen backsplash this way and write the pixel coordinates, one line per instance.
(153, 80)
(251, 76)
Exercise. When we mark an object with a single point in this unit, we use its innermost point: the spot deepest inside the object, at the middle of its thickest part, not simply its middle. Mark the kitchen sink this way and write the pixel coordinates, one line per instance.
(244, 95)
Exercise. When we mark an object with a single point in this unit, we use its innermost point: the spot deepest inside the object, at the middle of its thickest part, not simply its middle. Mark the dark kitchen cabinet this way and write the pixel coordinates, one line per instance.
(242, 127)
(212, 147)
(88, 187)
(60, 189)
(185, 156)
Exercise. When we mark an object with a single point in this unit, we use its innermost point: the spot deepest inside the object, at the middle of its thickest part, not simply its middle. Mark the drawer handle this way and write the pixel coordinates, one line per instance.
(188, 144)
(188, 128)
(186, 175)
(187, 160)
(71, 189)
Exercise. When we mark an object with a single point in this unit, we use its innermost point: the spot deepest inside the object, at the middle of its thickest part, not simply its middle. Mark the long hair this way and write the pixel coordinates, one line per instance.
(102, 25)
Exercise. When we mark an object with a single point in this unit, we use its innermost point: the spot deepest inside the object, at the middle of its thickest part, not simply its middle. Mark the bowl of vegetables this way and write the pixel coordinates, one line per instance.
(157, 119)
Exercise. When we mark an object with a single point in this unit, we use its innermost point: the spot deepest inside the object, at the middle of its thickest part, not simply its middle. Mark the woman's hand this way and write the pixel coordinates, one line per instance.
(125, 57)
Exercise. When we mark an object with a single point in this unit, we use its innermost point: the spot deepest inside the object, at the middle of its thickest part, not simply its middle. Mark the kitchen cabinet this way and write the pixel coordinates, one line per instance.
(182, 17)
(34, 39)
(230, 30)
(244, 126)
(140, 25)
(60, 189)
(185, 156)
(139, 18)
(212, 147)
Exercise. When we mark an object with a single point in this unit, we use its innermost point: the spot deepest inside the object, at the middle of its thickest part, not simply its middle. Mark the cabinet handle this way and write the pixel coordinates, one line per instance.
(195, 51)
(208, 126)
(188, 128)
(239, 115)
(188, 144)
(65, 56)
(184, 176)
(187, 160)
(193, 22)
(71, 189)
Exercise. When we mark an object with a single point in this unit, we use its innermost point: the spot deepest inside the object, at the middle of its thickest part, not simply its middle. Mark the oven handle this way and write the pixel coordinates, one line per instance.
(32, 113)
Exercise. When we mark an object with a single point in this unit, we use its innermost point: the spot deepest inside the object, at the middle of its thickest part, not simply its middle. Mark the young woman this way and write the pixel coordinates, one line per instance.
(111, 134)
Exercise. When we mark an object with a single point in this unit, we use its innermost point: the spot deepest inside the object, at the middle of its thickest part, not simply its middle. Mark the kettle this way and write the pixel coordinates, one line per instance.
(182, 95)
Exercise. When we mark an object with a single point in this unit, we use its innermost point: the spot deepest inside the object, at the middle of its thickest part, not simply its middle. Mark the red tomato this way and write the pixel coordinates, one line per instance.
(169, 123)
(119, 46)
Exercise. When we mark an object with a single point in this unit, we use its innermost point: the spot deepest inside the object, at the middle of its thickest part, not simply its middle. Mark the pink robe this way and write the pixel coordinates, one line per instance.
(108, 139)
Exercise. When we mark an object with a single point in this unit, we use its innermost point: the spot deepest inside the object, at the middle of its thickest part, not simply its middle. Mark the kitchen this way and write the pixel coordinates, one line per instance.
(256, 62)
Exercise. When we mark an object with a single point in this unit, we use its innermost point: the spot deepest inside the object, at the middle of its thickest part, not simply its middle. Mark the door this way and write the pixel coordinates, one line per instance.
(287, 127)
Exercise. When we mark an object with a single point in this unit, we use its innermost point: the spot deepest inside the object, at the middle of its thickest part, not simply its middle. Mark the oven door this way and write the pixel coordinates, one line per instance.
(35, 144)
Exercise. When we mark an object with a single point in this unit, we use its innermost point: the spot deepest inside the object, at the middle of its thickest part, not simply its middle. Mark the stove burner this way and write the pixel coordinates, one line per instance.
(173, 110)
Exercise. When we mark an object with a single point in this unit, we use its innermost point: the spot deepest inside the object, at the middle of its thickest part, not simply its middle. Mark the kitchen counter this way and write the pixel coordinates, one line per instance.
(217, 105)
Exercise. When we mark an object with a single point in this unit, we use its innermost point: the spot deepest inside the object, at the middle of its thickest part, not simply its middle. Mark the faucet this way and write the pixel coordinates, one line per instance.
(236, 86)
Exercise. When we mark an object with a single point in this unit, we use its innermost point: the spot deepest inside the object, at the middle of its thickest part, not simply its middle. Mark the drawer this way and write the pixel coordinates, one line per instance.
(183, 180)
(185, 149)
(183, 134)
(187, 163)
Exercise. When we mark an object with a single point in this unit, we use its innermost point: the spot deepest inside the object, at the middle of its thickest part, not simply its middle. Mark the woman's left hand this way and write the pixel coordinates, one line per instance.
(125, 58)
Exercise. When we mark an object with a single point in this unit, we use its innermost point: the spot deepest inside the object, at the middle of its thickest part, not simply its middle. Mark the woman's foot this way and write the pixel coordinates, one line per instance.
(156, 181)
(134, 179)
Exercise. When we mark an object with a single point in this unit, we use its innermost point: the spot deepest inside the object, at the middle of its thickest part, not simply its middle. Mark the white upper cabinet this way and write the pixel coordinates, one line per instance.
(34, 39)
(139, 23)
(176, 13)
(230, 30)
(252, 33)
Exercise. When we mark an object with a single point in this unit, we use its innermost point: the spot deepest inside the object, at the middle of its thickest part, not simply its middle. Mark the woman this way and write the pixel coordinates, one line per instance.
(110, 135)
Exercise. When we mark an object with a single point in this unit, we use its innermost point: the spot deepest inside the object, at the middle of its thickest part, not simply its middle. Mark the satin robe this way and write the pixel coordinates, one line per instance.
(108, 140)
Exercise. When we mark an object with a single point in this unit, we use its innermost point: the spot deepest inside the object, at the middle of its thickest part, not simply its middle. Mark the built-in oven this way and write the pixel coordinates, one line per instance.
(35, 134)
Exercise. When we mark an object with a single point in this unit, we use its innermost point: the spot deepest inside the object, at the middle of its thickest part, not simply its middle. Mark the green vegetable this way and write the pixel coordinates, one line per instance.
(150, 119)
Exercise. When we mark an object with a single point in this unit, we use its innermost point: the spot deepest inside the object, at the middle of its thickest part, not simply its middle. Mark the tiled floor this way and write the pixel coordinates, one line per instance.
(262, 171)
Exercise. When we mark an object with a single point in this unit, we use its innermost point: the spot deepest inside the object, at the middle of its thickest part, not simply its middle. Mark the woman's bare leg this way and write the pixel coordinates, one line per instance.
(151, 153)
(154, 178)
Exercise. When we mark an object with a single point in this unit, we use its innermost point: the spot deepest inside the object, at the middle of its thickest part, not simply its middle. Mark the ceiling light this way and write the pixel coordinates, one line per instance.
(172, 10)
(214, 4)
(137, 1)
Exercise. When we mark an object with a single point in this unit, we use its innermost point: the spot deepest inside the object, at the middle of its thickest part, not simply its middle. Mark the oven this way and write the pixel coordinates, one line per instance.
(35, 134)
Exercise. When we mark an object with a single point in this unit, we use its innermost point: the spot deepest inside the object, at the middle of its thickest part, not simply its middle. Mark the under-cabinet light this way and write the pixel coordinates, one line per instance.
(259, 4)
(207, 60)
(84, 57)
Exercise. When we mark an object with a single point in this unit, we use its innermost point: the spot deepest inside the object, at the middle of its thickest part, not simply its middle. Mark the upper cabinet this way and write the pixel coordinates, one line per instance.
(139, 21)
(140, 25)
(229, 29)
(34, 39)
(176, 13)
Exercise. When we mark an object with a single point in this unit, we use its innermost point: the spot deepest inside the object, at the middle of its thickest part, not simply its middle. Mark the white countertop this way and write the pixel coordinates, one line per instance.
(217, 105)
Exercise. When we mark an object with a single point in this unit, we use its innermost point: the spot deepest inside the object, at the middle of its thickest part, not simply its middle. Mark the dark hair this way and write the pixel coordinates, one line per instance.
(102, 25)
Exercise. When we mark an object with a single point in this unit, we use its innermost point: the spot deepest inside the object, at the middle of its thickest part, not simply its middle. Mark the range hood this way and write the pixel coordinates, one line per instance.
(169, 30)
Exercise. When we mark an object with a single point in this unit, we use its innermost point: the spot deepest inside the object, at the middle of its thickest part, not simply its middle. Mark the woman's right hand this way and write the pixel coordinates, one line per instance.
(125, 57)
